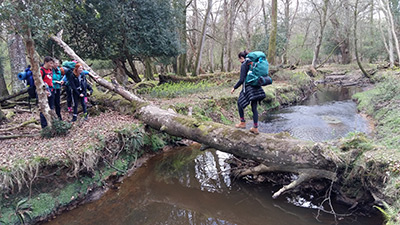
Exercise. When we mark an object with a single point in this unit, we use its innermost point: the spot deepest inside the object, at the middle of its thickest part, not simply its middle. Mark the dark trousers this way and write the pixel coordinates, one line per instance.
(75, 100)
(50, 99)
(69, 96)
(253, 109)
(57, 102)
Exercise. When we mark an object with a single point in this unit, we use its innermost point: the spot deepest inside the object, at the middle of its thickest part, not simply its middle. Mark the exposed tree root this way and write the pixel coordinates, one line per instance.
(304, 175)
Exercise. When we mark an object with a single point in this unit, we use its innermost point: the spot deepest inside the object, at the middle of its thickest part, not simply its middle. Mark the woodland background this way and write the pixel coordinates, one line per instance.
(197, 36)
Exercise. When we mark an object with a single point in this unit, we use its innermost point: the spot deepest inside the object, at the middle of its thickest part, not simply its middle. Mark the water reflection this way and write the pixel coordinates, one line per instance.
(197, 191)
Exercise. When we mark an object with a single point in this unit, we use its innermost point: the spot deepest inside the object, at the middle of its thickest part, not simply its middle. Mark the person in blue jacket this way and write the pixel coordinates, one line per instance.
(57, 83)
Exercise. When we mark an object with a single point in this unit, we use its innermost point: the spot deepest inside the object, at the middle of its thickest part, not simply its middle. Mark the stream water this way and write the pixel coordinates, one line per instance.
(187, 186)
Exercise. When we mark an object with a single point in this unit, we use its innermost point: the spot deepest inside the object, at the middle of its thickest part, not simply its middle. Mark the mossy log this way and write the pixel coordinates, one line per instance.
(276, 152)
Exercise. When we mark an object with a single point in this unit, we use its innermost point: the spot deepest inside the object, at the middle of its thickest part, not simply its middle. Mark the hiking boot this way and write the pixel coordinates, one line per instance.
(241, 125)
(254, 130)
(74, 118)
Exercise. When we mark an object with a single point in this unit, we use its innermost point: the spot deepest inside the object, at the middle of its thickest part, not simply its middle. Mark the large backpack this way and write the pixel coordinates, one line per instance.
(258, 72)
(28, 77)
(69, 64)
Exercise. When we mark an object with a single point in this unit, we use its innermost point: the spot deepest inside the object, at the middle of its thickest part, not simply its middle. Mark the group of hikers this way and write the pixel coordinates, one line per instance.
(73, 79)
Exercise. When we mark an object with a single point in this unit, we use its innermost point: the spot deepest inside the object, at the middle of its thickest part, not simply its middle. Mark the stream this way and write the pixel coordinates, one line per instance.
(188, 186)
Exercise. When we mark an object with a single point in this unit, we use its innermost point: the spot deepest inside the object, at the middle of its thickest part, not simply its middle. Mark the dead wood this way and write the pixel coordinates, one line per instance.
(4, 137)
(13, 95)
(20, 125)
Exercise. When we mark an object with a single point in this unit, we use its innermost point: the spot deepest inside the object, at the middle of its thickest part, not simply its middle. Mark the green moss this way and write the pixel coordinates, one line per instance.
(43, 204)
(68, 193)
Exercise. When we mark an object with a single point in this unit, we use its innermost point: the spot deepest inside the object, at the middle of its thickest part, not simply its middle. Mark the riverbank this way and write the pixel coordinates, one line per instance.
(204, 101)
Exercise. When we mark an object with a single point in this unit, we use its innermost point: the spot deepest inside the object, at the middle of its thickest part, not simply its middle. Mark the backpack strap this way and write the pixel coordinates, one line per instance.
(43, 73)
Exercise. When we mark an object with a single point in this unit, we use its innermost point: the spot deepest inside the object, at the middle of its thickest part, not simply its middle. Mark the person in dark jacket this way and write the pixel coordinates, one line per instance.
(249, 94)
(79, 88)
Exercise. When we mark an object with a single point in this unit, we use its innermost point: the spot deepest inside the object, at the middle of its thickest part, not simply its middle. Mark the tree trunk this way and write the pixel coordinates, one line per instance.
(232, 17)
(182, 58)
(366, 74)
(40, 87)
(276, 152)
(148, 72)
(135, 75)
(272, 36)
(120, 75)
(3, 85)
(389, 43)
(393, 30)
(202, 40)
(17, 54)
(265, 18)
(318, 43)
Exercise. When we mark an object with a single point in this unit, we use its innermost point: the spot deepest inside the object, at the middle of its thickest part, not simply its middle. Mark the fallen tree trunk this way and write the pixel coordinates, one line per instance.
(33, 120)
(14, 95)
(277, 152)
(17, 136)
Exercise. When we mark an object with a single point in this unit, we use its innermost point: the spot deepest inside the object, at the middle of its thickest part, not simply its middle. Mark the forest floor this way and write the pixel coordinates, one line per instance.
(82, 135)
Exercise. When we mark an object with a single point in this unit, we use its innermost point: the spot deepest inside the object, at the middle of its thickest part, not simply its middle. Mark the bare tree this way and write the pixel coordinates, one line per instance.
(341, 23)
(322, 12)
(202, 40)
(272, 36)
(356, 14)
(389, 42)
(288, 25)
(385, 7)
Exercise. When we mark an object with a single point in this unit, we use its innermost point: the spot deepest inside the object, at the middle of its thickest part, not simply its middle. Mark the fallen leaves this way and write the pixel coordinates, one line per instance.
(82, 135)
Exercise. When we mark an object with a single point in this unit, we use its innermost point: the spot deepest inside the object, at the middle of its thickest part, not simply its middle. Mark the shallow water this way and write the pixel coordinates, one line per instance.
(326, 115)
(186, 186)
(165, 191)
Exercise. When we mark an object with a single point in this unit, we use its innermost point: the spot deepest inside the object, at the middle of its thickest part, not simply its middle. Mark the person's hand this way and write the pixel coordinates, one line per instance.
(233, 90)
(48, 93)
(81, 95)
(62, 82)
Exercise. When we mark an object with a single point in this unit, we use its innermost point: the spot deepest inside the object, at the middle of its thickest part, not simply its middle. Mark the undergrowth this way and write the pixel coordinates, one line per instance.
(383, 104)
(173, 90)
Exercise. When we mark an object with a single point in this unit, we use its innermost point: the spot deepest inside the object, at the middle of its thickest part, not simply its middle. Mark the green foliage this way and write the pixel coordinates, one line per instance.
(133, 139)
(100, 64)
(381, 103)
(41, 19)
(23, 211)
(59, 128)
(155, 141)
(121, 29)
(390, 213)
(173, 90)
